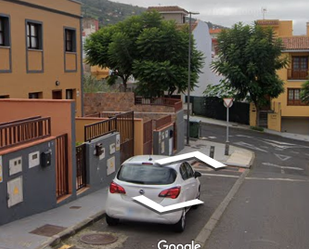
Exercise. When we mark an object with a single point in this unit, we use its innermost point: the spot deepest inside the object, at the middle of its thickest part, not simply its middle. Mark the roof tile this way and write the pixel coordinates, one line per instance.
(296, 43)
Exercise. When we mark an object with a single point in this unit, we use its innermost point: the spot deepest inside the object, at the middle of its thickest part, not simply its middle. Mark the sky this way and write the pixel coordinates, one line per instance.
(228, 12)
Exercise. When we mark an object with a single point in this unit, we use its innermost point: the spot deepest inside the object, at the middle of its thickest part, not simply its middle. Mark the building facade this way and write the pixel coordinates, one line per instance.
(40, 50)
(288, 113)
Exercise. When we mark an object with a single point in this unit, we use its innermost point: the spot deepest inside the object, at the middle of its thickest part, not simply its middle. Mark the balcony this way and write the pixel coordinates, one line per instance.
(297, 74)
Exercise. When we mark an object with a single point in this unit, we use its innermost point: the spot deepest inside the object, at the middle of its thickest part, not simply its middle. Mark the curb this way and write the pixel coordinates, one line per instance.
(206, 231)
(56, 239)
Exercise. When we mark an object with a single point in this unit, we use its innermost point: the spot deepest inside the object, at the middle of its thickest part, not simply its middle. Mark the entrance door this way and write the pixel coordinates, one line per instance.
(57, 94)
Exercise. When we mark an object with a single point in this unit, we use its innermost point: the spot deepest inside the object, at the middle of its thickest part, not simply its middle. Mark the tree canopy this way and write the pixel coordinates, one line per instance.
(151, 49)
(249, 57)
(304, 93)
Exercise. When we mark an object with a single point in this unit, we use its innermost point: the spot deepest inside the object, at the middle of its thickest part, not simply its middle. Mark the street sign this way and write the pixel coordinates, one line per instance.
(228, 102)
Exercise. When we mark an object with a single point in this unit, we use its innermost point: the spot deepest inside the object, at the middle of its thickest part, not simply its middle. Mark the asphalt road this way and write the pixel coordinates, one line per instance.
(270, 211)
(134, 235)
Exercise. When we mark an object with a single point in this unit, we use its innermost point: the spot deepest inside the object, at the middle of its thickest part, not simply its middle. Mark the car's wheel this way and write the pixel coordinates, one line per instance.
(179, 227)
(111, 221)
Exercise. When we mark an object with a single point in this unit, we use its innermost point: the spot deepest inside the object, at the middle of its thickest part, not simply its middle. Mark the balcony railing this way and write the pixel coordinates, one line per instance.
(23, 131)
(297, 74)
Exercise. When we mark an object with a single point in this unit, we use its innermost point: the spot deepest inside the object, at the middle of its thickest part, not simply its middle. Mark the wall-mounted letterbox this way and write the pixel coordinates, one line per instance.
(99, 149)
(46, 158)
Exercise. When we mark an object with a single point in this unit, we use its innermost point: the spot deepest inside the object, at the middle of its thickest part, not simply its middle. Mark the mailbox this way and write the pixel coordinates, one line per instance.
(99, 149)
(46, 158)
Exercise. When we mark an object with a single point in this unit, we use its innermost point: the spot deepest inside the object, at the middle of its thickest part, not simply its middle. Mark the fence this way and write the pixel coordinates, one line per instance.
(176, 103)
(23, 131)
(147, 147)
(81, 166)
(99, 129)
(62, 170)
(163, 121)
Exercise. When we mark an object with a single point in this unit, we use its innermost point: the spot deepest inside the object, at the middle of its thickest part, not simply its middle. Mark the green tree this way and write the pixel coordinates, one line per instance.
(304, 93)
(154, 51)
(249, 57)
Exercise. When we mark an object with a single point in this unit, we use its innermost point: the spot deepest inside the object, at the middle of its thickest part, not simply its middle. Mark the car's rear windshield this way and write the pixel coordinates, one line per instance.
(147, 174)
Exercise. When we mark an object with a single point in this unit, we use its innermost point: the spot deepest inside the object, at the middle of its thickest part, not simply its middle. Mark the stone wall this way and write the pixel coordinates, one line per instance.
(118, 102)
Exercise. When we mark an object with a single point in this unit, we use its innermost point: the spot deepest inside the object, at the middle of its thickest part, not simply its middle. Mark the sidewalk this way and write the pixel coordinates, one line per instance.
(77, 214)
(242, 126)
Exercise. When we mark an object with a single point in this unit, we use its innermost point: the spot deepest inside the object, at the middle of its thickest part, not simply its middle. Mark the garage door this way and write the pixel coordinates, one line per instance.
(295, 125)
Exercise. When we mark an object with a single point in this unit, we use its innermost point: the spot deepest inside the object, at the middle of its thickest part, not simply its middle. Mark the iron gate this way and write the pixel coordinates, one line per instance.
(148, 138)
(81, 180)
(62, 167)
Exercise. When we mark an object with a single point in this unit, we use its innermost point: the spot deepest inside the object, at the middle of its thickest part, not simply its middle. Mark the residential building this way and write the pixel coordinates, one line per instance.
(40, 50)
(287, 113)
(203, 43)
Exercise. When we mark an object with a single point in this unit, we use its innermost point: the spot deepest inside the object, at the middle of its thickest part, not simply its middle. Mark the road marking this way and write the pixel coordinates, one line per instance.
(212, 137)
(295, 152)
(220, 175)
(276, 179)
(282, 167)
(240, 135)
(278, 142)
(250, 146)
(160, 209)
(282, 157)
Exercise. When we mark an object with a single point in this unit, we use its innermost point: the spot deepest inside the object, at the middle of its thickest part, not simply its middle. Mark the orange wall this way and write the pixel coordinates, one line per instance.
(60, 112)
(19, 83)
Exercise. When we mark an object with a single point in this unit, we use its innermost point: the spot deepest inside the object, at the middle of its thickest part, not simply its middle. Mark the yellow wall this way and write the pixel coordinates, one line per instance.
(252, 115)
(285, 28)
(274, 121)
(19, 83)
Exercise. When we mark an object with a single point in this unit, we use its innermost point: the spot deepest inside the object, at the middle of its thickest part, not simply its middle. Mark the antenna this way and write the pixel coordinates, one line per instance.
(264, 10)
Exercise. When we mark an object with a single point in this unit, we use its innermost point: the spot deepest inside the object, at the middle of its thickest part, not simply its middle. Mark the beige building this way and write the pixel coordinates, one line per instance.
(40, 50)
(287, 113)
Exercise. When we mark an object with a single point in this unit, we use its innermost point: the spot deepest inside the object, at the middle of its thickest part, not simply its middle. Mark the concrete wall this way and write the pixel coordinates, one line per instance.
(162, 139)
(180, 125)
(97, 166)
(38, 183)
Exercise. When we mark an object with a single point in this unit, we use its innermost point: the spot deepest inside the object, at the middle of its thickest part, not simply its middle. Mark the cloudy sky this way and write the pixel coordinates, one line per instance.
(228, 12)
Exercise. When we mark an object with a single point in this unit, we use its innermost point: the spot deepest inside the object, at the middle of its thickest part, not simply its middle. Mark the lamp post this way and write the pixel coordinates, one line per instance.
(189, 76)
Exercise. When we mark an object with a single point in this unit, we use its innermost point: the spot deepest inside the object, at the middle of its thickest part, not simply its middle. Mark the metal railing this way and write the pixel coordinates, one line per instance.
(81, 171)
(99, 129)
(23, 131)
(163, 121)
(298, 74)
(176, 103)
(62, 167)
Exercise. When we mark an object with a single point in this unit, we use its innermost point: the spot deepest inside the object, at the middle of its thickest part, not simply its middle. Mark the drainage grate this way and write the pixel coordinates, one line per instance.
(98, 239)
(48, 230)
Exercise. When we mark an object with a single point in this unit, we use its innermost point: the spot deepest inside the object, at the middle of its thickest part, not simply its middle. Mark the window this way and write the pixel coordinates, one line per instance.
(300, 63)
(35, 95)
(190, 171)
(294, 97)
(4, 31)
(183, 172)
(4, 96)
(69, 94)
(34, 35)
(70, 40)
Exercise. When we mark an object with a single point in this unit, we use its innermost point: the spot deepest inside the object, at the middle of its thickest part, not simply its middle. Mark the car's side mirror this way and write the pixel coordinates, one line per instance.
(197, 174)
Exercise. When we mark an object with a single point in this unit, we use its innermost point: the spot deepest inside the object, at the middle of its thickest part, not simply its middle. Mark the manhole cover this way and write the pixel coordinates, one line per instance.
(48, 230)
(98, 239)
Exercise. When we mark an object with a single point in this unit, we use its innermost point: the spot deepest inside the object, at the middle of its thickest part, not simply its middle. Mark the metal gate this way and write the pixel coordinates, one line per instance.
(125, 126)
(62, 168)
(81, 180)
(148, 138)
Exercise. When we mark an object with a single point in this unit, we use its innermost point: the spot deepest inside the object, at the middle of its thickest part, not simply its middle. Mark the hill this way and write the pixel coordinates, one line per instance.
(108, 12)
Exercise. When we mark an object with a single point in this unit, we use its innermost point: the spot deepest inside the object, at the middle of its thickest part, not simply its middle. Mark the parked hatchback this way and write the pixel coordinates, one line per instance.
(166, 185)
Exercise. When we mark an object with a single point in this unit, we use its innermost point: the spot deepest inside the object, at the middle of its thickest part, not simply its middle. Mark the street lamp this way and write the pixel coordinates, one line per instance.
(189, 77)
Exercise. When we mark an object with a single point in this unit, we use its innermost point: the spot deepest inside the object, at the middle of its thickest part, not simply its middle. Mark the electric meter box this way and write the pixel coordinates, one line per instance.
(46, 158)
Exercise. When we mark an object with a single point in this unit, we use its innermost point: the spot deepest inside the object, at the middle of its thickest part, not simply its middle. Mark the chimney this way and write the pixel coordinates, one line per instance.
(307, 28)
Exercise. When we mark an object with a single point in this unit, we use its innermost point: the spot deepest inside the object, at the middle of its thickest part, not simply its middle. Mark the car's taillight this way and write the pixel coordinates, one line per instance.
(170, 193)
(116, 189)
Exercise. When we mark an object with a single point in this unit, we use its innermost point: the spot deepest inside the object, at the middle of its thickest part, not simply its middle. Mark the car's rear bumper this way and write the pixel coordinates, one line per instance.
(117, 207)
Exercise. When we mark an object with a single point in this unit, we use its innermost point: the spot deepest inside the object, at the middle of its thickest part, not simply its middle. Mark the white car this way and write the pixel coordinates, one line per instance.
(141, 175)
